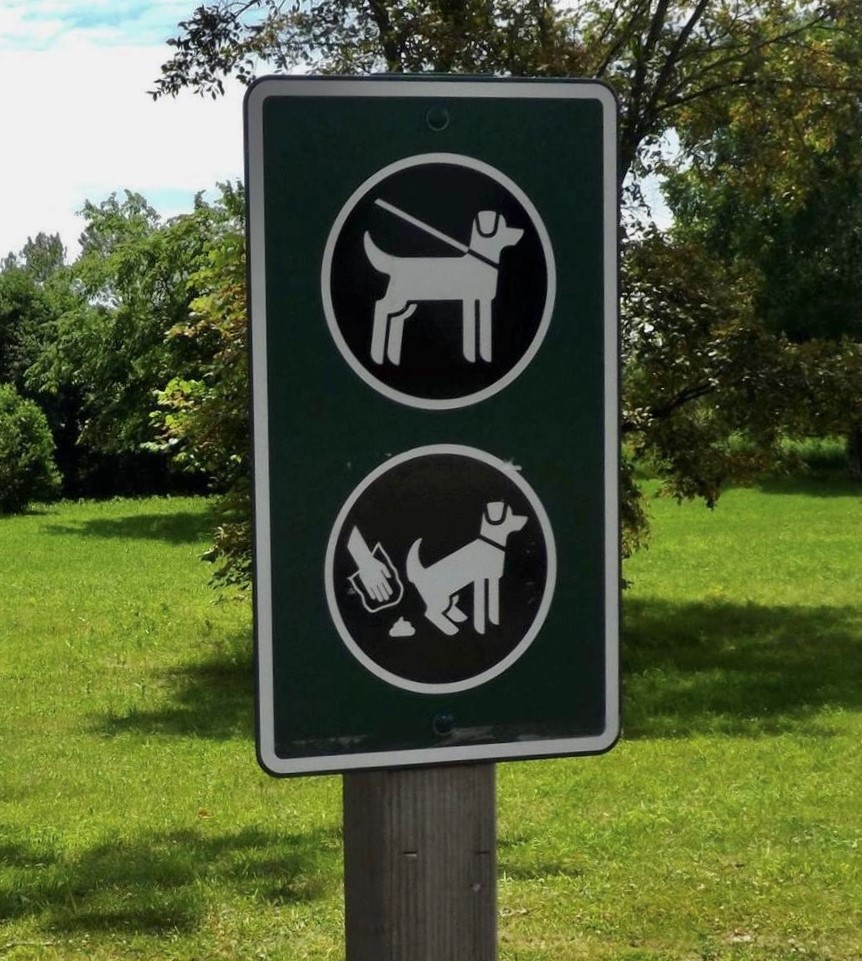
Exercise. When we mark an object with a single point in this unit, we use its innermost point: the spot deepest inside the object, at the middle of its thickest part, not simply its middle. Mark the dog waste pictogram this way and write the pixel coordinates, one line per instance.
(461, 578)
(438, 281)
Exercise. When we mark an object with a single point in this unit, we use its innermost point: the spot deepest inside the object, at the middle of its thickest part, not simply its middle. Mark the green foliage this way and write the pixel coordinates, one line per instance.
(705, 366)
(25, 311)
(203, 421)
(134, 284)
(664, 57)
(27, 470)
(699, 370)
(802, 242)
(775, 191)
(710, 390)
(91, 341)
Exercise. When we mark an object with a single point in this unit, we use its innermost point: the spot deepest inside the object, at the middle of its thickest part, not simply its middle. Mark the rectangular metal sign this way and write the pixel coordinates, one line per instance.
(433, 272)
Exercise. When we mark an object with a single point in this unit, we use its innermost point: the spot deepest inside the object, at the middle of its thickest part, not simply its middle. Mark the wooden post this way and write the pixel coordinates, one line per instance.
(420, 872)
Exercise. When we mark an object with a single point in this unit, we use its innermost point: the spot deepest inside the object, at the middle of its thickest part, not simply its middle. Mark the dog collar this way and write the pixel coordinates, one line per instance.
(482, 257)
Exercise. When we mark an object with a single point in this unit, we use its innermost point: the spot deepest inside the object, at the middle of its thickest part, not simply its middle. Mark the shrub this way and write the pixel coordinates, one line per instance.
(27, 470)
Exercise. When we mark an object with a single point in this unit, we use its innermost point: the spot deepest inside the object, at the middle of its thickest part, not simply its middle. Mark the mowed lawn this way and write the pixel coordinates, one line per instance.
(727, 824)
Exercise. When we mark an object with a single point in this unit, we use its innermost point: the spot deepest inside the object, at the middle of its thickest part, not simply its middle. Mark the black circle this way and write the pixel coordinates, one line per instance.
(440, 499)
(449, 198)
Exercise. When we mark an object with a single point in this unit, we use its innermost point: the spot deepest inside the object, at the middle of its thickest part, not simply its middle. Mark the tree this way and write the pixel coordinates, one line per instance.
(701, 367)
(25, 310)
(32, 292)
(27, 471)
(35, 291)
(133, 283)
(41, 258)
(661, 56)
(795, 227)
(203, 420)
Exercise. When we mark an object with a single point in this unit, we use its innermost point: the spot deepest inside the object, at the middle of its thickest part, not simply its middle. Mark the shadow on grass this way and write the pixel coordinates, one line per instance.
(817, 484)
(158, 882)
(179, 527)
(737, 669)
(535, 870)
(213, 698)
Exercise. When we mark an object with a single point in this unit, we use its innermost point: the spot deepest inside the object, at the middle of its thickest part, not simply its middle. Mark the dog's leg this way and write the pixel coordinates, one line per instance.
(380, 330)
(468, 323)
(396, 332)
(494, 600)
(453, 612)
(485, 330)
(480, 601)
(439, 620)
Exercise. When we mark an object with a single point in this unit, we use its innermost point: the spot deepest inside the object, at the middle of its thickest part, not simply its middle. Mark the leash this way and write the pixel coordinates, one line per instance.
(438, 234)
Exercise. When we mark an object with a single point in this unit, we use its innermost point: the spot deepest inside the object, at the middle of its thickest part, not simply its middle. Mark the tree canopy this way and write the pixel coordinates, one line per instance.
(741, 325)
(674, 64)
(738, 102)
(92, 341)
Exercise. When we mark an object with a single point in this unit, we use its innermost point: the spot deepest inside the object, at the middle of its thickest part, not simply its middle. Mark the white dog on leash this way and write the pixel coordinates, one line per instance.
(470, 279)
(478, 564)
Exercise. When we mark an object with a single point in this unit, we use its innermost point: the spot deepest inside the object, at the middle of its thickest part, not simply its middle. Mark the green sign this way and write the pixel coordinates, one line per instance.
(434, 372)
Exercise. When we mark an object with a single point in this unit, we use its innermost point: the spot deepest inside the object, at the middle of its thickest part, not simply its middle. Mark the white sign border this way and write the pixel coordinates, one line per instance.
(256, 96)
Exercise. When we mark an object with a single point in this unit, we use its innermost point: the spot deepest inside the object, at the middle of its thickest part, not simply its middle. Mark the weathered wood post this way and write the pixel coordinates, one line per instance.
(420, 864)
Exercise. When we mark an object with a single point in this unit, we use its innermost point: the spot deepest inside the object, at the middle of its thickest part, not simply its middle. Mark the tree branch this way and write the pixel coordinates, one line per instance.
(663, 411)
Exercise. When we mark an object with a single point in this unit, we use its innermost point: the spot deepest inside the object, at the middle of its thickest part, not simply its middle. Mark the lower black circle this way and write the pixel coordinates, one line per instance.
(440, 568)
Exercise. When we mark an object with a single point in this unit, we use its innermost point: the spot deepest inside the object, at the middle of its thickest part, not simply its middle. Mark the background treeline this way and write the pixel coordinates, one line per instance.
(741, 326)
(106, 345)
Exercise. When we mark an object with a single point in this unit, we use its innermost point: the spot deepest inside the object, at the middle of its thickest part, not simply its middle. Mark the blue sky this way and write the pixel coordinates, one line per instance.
(78, 124)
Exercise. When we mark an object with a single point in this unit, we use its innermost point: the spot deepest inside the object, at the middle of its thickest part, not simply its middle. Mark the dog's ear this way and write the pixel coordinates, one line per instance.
(487, 222)
(495, 511)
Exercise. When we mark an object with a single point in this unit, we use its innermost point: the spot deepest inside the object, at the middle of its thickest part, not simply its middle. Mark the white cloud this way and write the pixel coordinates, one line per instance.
(35, 24)
(78, 124)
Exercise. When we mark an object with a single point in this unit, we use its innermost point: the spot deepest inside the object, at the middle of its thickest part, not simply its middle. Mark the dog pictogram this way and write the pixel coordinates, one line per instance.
(438, 281)
(478, 564)
(470, 543)
(470, 279)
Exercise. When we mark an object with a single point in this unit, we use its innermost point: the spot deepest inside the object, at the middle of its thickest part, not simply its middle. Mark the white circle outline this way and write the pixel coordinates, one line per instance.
(421, 687)
(428, 403)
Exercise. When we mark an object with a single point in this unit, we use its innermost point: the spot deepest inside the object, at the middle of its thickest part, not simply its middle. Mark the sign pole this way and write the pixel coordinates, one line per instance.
(420, 864)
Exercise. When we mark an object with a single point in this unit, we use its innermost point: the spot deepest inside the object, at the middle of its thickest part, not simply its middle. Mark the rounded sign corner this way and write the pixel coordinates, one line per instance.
(610, 737)
(269, 762)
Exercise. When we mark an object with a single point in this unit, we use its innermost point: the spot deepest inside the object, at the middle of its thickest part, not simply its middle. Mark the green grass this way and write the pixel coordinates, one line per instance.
(134, 821)
(726, 826)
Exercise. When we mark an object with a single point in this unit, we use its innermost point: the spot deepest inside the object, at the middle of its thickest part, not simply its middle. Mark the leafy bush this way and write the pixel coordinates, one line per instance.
(27, 470)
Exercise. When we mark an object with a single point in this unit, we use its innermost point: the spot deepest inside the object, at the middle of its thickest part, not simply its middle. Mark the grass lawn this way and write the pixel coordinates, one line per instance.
(727, 824)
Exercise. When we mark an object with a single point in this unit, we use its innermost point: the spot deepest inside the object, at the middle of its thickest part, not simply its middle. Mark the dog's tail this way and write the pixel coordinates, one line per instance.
(379, 260)
(414, 567)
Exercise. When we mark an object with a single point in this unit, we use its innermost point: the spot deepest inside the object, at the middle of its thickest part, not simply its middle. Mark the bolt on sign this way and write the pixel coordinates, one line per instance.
(433, 299)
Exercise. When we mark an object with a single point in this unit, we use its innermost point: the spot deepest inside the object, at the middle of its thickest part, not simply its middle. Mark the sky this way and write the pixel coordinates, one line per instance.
(77, 123)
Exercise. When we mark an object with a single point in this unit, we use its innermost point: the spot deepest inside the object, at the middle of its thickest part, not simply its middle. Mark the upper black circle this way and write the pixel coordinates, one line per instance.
(385, 263)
